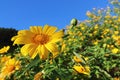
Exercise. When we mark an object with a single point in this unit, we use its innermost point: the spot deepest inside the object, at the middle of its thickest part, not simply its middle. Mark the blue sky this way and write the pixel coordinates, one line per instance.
(21, 14)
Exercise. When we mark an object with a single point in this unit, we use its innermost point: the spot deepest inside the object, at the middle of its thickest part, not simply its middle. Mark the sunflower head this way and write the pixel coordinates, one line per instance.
(39, 40)
(9, 67)
(82, 70)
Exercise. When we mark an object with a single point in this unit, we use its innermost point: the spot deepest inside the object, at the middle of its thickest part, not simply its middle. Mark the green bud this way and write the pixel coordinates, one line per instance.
(73, 22)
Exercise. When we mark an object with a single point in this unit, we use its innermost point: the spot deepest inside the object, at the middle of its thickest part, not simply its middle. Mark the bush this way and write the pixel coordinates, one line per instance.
(5, 36)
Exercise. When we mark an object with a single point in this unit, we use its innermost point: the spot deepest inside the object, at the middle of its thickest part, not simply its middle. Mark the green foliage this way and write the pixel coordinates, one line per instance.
(92, 45)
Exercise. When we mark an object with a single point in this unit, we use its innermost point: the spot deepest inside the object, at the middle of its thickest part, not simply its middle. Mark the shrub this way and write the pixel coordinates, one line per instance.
(5, 36)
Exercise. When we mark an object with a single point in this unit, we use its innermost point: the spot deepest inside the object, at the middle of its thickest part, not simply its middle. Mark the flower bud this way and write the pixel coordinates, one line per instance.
(73, 22)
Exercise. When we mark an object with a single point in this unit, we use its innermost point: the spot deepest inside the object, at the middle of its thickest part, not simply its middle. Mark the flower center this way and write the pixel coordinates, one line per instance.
(41, 39)
(9, 69)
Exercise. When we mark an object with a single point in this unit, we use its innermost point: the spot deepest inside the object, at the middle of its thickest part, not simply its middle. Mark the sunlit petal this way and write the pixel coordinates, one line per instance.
(29, 49)
(57, 36)
(52, 48)
(43, 52)
(36, 29)
(51, 30)
(46, 27)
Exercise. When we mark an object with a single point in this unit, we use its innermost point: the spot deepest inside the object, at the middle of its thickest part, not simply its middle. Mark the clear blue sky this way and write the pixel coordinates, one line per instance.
(20, 14)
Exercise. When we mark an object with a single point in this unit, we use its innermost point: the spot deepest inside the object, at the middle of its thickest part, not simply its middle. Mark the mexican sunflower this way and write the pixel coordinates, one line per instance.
(81, 69)
(38, 40)
(9, 67)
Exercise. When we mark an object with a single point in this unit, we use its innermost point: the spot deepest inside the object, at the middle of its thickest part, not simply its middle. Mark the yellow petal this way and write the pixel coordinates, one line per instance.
(51, 30)
(11, 62)
(36, 29)
(46, 27)
(38, 76)
(52, 47)
(56, 40)
(33, 52)
(57, 36)
(81, 69)
(2, 76)
(23, 37)
(77, 59)
(14, 38)
(4, 49)
(24, 50)
(43, 52)
(29, 49)
(23, 40)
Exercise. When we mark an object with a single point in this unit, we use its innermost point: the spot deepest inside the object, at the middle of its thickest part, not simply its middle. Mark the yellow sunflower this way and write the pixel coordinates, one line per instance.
(39, 40)
(4, 59)
(10, 67)
(81, 69)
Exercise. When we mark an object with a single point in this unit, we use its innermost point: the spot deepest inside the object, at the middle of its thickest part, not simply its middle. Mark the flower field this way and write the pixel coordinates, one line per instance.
(84, 50)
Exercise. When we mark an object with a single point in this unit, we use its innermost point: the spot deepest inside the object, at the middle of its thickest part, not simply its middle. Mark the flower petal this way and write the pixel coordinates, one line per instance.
(36, 29)
(51, 30)
(4, 49)
(43, 52)
(52, 47)
(57, 36)
(30, 49)
(46, 27)
(25, 32)
(22, 40)
(23, 37)
(14, 38)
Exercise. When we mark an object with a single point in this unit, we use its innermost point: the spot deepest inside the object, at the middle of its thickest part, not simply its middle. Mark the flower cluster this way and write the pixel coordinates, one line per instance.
(84, 50)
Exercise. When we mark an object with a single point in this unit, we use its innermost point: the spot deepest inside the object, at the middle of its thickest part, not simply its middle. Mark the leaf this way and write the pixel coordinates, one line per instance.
(33, 63)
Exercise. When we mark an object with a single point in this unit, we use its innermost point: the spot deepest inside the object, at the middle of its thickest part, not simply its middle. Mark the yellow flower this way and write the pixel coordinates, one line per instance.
(115, 37)
(76, 59)
(116, 78)
(118, 41)
(115, 50)
(10, 66)
(116, 32)
(119, 19)
(57, 79)
(83, 28)
(89, 14)
(106, 31)
(90, 34)
(38, 40)
(116, 26)
(5, 58)
(4, 49)
(114, 17)
(83, 70)
(95, 32)
(38, 76)
(96, 27)
(107, 16)
(95, 42)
